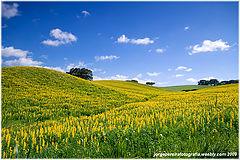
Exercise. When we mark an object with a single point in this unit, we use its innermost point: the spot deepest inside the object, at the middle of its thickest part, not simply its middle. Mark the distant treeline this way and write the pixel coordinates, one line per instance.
(215, 82)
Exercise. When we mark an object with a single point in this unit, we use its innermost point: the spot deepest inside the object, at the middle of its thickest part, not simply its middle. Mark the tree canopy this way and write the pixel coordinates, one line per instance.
(150, 83)
(81, 73)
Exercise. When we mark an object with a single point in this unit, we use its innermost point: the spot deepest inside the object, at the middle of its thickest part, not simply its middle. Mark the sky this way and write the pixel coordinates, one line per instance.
(169, 43)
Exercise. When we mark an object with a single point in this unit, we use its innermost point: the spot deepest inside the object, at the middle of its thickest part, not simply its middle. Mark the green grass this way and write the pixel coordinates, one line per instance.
(69, 117)
(185, 87)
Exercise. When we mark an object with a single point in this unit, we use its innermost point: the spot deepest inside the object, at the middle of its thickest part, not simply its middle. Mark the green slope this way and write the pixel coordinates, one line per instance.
(131, 88)
(32, 93)
(184, 87)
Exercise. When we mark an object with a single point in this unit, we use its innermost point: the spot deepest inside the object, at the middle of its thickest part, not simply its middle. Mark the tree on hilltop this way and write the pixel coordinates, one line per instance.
(81, 73)
(150, 83)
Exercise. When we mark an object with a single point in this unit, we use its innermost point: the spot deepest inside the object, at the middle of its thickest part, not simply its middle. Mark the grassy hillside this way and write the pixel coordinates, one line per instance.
(131, 88)
(49, 114)
(33, 94)
(184, 87)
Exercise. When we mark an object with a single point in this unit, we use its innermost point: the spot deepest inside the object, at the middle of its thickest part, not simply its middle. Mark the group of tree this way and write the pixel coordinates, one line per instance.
(147, 83)
(150, 83)
(132, 81)
(215, 82)
(81, 73)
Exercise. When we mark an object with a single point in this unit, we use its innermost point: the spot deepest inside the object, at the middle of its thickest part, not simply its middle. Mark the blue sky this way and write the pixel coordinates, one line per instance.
(170, 43)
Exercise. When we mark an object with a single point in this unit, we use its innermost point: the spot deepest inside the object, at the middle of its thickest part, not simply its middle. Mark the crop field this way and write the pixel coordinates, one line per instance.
(49, 114)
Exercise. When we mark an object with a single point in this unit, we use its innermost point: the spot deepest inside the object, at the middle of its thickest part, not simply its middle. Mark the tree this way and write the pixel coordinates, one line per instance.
(203, 82)
(150, 83)
(213, 82)
(132, 81)
(81, 73)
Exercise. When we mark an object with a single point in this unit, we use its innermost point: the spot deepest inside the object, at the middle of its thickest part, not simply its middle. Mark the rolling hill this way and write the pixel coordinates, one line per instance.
(49, 114)
(39, 91)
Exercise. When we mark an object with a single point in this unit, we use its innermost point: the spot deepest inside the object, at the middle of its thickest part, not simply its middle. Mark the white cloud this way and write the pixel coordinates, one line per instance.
(86, 13)
(64, 36)
(159, 50)
(119, 77)
(169, 69)
(65, 59)
(44, 56)
(12, 52)
(96, 78)
(139, 76)
(188, 70)
(61, 38)
(52, 43)
(78, 65)
(123, 39)
(96, 70)
(186, 28)
(149, 50)
(9, 10)
(101, 58)
(181, 68)
(154, 74)
(161, 83)
(144, 41)
(179, 75)
(23, 61)
(208, 78)
(209, 46)
(191, 80)
(55, 68)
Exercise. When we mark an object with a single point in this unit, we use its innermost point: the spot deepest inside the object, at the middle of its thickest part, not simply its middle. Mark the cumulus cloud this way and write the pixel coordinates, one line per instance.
(44, 56)
(179, 75)
(23, 61)
(96, 78)
(139, 76)
(208, 78)
(52, 43)
(9, 11)
(12, 52)
(188, 70)
(186, 28)
(144, 41)
(123, 39)
(119, 77)
(61, 38)
(159, 50)
(86, 13)
(21, 55)
(209, 46)
(183, 68)
(55, 68)
(191, 80)
(161, 83)
(154, 74)
(78, 65)
(101, 58)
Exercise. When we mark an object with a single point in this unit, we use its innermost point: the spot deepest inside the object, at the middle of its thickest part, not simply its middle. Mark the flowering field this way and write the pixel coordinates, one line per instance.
(49, 114)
